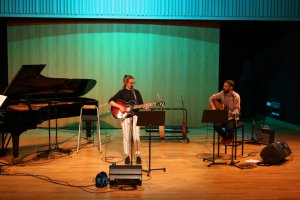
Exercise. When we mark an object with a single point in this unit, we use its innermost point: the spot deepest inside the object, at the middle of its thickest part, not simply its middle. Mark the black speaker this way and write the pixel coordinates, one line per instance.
(265, 135)
(125, 175)
(276, 152)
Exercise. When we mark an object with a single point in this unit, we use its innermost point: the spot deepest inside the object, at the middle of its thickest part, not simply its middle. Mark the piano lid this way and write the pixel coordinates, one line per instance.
(29, 83)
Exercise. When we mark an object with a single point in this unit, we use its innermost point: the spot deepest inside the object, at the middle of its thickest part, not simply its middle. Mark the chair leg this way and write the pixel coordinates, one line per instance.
(99, 133)
(218, 145)
(79, 135)
(243, 141)
(99, 138)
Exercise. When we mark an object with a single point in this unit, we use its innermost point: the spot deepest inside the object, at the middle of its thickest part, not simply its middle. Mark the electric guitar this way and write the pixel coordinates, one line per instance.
(129, 106)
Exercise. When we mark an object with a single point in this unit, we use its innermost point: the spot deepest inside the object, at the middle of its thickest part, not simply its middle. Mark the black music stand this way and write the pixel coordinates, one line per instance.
(214, 116)
(151, 118)
(51, 114)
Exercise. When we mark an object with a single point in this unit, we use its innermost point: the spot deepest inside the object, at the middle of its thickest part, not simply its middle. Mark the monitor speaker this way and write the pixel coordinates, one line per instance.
(125, 175)
(276, 152)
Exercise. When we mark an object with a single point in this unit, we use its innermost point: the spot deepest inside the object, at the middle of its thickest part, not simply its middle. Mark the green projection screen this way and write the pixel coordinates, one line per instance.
(167, 60)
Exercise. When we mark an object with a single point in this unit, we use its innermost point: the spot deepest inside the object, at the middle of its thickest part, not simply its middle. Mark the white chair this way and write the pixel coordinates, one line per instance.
(89, 115)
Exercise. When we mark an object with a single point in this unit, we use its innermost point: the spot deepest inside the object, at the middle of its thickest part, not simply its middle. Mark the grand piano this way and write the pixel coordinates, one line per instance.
(33, 98)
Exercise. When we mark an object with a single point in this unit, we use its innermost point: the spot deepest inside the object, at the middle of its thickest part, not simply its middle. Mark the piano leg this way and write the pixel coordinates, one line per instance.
(15, 143)
(88, 129)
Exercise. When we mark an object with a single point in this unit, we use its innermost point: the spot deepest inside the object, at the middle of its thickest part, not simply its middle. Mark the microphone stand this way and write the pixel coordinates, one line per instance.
(131, 124)
(131, 135)
(66, 151)
(232, 162)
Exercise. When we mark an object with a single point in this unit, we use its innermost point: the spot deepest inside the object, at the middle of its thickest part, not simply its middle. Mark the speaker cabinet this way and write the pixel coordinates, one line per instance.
(265, 135)
(276, 152)
(125, 175)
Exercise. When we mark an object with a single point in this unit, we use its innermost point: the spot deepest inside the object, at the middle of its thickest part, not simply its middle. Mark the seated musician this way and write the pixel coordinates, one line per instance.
(226, 99)
(127, 94)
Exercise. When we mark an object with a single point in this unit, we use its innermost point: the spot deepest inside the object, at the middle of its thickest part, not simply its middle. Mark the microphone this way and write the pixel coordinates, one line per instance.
(132, 91)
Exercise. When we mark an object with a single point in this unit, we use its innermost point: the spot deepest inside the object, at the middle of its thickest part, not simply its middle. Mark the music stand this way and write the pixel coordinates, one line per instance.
(151, 118)
(214, 116)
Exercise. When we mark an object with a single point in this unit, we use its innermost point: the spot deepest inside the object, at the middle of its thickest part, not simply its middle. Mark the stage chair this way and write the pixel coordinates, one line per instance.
(235, 142)
(89, 113)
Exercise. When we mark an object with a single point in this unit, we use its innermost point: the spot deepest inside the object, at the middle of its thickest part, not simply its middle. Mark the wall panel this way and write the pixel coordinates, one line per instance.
(154, 9)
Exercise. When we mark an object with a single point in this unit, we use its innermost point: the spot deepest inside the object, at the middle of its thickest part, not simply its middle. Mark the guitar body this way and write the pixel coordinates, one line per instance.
(116, 113)
(218, 105)
(161, 132)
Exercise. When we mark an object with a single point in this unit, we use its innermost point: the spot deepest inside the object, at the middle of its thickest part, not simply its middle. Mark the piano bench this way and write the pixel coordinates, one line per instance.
(91, 117)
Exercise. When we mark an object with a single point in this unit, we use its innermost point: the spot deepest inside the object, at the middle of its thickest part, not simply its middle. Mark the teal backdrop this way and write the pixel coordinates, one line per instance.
(167, 60)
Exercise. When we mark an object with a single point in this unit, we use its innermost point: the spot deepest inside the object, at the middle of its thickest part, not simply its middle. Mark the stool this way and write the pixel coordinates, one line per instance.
(235, 141)
(92, 116)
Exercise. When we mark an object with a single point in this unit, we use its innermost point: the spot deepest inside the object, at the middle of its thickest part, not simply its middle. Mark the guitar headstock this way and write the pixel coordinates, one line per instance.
(160, 103)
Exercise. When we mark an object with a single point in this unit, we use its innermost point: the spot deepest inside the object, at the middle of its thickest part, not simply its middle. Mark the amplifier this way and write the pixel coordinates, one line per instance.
(265, 135)
(125, 175)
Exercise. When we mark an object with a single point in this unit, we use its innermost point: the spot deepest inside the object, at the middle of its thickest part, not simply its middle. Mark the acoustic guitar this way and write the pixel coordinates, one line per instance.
(220, 106)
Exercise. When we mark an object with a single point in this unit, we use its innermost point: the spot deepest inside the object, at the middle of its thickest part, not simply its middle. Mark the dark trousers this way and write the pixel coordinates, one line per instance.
(229, 128)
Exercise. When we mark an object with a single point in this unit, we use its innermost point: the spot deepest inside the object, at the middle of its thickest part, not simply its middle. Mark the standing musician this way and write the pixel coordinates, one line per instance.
(129, 94)
(230, 100)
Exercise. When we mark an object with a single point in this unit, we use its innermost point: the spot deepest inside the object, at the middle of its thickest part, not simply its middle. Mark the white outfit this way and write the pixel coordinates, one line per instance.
(126, 127)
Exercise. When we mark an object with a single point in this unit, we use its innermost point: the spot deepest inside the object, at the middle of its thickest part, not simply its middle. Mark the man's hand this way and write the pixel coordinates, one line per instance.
(212, 106)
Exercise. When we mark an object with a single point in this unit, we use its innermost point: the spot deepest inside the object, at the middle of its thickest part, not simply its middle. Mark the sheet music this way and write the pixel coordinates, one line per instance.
(2, 99)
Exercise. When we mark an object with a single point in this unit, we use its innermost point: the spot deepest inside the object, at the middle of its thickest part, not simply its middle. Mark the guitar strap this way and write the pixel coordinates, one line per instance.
(134, 95)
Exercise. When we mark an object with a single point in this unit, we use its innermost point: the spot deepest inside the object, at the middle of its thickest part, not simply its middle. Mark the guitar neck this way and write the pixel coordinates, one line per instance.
(142, 105)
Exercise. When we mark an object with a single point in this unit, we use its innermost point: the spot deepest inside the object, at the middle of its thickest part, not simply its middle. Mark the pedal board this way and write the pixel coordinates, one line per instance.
(125, 175)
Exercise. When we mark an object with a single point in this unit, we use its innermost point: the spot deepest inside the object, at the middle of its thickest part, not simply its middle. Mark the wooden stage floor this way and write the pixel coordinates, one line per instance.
(186, 176)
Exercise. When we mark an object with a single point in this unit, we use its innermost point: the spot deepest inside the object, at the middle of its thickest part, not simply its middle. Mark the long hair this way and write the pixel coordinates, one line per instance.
(126, 79)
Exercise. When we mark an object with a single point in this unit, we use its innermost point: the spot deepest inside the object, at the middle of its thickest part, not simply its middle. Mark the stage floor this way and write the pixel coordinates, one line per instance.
(186, 176)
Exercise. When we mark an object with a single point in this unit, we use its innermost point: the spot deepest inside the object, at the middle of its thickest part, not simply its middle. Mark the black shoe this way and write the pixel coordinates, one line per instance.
(127, 160)
(138, 160)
